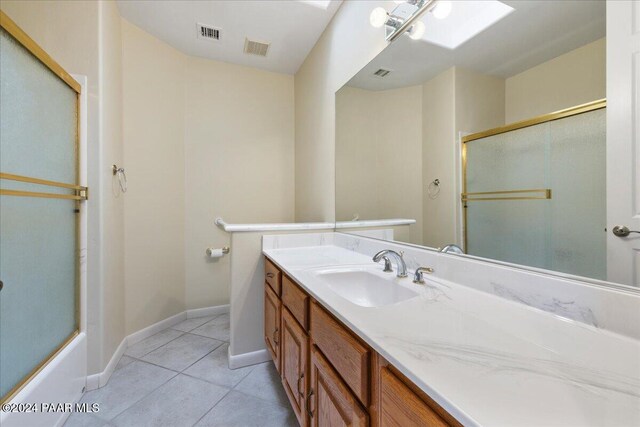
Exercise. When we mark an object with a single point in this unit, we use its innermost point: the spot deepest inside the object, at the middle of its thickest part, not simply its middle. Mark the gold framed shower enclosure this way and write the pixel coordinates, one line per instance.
(79, 192)
(524, 194)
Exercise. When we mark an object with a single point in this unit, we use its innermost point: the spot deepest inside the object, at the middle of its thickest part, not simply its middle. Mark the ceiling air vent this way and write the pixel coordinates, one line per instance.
(381, 72)
(207, 32)
(255, 48)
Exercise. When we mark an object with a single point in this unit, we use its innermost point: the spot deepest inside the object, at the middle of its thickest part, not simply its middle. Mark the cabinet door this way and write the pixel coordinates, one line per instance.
(294, 364)
(400, 406)
(330, 402)
(272, 324)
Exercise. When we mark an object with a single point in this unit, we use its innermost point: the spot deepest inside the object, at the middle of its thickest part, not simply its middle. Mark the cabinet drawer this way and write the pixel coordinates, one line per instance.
(296, 300)
(273, 276)
(347, 355)
(400, 406)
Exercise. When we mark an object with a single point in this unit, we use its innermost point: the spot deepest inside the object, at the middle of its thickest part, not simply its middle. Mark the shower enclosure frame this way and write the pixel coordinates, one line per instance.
(526, 194)
(80, 193)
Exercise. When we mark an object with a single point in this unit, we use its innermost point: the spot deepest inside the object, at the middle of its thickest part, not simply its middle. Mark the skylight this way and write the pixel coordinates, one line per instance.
(467, 19)
(320, 4)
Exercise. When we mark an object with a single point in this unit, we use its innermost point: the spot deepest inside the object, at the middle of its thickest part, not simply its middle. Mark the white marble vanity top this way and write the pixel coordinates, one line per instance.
(302, 226)
(487, 360)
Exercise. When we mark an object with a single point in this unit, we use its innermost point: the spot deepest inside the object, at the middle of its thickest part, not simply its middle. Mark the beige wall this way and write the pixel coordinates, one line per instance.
(111, 135)
(390, 145)
(458, 101)
(153, 110)
(203, 139)
(239, 158)
(438, 157)
(379, 155)
(348, 43)
(83, 36)
(571, 79)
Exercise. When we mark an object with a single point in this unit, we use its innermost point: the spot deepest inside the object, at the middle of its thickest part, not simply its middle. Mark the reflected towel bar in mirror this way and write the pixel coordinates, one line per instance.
(539, 194)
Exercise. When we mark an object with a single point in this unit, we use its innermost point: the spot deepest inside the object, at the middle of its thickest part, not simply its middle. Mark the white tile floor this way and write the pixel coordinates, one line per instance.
(179, 378)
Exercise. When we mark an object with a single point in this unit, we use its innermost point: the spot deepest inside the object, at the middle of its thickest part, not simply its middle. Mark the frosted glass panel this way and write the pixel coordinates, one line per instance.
(578, 208)
(566, 233)
(514, 160)
(38, 269)
(38, 121)
(38, 243)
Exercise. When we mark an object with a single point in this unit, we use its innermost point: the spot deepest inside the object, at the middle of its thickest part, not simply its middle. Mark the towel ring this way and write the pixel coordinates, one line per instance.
(434, 188)
(122, 177)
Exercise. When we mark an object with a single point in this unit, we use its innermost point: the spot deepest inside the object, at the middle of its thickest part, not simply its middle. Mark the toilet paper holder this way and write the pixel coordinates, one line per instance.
(211, 251)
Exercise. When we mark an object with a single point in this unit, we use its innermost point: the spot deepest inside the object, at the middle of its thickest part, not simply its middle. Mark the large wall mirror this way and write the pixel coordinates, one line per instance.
(489, 130)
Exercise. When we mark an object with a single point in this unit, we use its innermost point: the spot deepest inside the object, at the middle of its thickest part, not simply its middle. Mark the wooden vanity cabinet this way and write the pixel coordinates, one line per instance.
(272, 318)
(349, 357)
(294, 362)
(272, 276)
(330, 402)
(331, 377)
(399, 402)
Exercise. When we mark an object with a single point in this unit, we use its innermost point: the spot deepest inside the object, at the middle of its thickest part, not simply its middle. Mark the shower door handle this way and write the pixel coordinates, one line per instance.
(623, 231)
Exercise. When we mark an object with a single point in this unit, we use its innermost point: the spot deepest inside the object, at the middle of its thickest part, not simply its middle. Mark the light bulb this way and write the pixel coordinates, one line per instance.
(378, 17)
(417, 30)
(442, 9)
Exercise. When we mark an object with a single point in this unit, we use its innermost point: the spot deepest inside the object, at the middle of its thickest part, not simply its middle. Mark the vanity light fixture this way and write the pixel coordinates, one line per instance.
(378, 17)
(405, 17)
(417, 30)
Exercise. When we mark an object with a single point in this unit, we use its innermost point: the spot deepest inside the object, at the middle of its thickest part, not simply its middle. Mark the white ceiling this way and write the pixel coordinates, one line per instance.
(292, 27)
(535, 32)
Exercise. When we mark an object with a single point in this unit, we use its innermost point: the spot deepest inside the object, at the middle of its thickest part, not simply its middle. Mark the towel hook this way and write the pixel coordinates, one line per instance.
(122, 177)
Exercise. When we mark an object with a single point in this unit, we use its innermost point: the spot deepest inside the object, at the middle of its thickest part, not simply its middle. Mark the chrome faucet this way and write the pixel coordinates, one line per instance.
(451, 249)
(417, 277)
(402, 267)
(387, 264)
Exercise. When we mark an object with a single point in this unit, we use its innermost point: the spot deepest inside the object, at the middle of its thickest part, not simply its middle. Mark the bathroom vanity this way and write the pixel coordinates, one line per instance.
(330, 375)
(355, 345)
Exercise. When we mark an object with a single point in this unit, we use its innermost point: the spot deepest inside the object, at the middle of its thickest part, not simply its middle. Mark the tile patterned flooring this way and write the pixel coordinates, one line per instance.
(179, 378)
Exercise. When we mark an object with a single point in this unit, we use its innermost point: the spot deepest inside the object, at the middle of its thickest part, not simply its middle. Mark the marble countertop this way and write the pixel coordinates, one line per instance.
(305, 226)
(487, 360)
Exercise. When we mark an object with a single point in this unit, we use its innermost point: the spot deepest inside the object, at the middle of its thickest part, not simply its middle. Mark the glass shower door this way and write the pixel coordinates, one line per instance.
(39, 205)
(535, 195)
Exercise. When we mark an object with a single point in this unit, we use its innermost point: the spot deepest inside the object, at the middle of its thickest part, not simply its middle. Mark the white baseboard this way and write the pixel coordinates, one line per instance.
(100, 379)
(207, 311)
(93, 382)
(247, 359)
(155, 328)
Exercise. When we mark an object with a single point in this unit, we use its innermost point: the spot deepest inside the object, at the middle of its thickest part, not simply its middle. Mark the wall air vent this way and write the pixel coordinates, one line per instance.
(253, 47)
(207, 32)
(381, 72)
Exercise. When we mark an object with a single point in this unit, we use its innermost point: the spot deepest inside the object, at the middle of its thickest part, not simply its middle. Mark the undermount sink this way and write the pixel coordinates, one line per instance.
(366, 288)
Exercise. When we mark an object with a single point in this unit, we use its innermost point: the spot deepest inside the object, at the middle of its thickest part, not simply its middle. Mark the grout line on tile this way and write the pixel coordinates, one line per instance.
(196, 327)
(216, 347)
(125, 353)
(282, 405)
(211, 409)
(144, 396)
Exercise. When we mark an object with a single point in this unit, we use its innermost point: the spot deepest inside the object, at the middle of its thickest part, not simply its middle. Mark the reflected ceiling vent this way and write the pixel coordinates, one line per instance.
(253, 47)
(382, 72)
(207, 32)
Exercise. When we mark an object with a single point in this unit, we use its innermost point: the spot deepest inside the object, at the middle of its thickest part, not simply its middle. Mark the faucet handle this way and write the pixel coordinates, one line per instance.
(417, 276)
